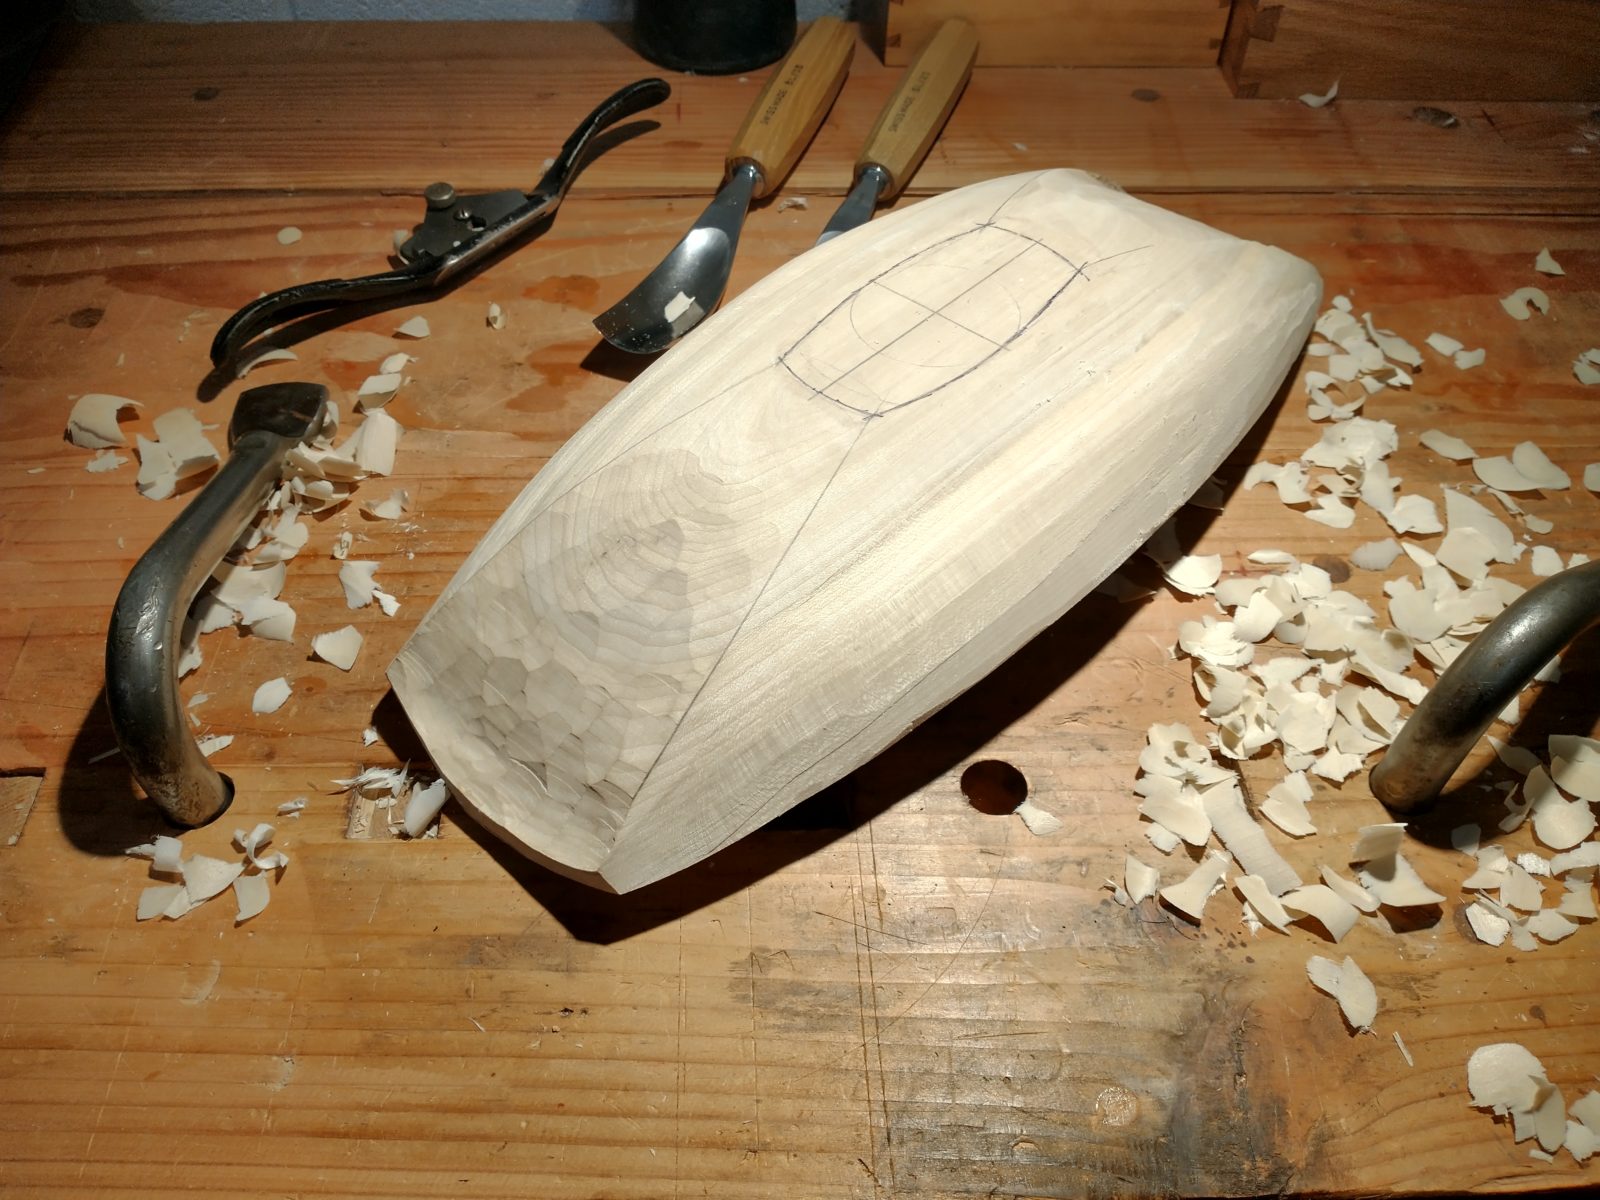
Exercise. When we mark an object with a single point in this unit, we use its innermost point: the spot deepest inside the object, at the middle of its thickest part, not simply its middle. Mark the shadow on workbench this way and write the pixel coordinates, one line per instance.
(101, 812)
(947, 740)
(100, 809)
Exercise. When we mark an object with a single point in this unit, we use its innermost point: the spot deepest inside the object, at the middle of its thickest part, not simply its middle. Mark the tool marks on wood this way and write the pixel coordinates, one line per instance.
(612, 609)
(703, 610)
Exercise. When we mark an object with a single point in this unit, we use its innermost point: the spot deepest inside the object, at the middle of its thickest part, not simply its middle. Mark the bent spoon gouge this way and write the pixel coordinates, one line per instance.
(146, 636)
(688, 284)
(908, 125)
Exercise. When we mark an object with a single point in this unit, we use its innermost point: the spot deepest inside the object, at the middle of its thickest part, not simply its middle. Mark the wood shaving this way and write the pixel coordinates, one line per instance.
(267, 618)
(214, 742)
(1189, 897)
(1395, 882)
(1179, 812)
(1506, 1077)
(1162, 838)
(1313, 100)
(378, 390)
(92, 423)
(252, 894)
(1502, 474)
(1285, 805)
(253, 842)
(1378, 841)
(372, 446)
(677, 306)
(1534, 464)
(1194, 574)
(356, 577)
(1259, 897)
(1557, 822)
(1349, 985)
(1518, 302)
(1447, 446)
(205, 877)
(1377, 556)
(1140, 881)
(270, 355)
(1244, 839)
(426, 802)
(1545, 561)
(270, 696)
(391, 509)
(1336, 915)
(1488, 927)
(338, 647)
(1040, 822)
(1349, 891)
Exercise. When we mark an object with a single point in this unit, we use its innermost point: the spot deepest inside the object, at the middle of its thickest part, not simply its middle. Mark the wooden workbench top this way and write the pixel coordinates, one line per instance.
(891, 992)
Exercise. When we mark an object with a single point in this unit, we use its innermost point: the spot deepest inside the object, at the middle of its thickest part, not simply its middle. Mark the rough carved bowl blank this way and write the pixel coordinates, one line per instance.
(850, 495)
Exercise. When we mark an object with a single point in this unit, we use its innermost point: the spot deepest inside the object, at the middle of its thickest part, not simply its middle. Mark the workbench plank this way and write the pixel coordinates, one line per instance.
(889, 992)
(892, 993)
(1079, 33)
(377, 108)
(1468, 50)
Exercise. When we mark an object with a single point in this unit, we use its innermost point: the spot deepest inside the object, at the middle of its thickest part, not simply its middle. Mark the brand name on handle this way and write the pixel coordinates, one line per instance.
(785, 86)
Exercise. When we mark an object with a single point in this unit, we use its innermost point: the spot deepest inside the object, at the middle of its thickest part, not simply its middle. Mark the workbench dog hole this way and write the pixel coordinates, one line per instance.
(994, 786)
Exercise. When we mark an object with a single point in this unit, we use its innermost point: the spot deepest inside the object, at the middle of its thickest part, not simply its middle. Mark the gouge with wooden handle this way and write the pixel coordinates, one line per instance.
(908, 125)
(689, 283)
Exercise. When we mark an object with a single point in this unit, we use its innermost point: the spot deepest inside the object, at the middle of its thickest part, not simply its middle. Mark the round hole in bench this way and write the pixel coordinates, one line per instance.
(994, 787)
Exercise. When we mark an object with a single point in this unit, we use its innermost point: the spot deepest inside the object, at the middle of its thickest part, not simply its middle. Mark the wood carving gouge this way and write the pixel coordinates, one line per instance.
(908, 124)
(689, 282)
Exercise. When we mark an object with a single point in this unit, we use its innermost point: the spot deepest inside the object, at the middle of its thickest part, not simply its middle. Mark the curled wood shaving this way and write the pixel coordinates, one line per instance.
(1313, 100)
(271, 355)
(1518, 303)
(92, 423)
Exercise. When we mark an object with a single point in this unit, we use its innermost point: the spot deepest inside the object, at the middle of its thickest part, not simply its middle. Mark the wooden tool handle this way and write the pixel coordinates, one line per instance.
(920, 106)
(791, 106)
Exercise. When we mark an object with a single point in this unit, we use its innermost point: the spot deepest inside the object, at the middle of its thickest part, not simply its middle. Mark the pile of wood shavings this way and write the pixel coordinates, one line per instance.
(1291, 662)
(187, 883)
(418, 801)
(320, 477)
